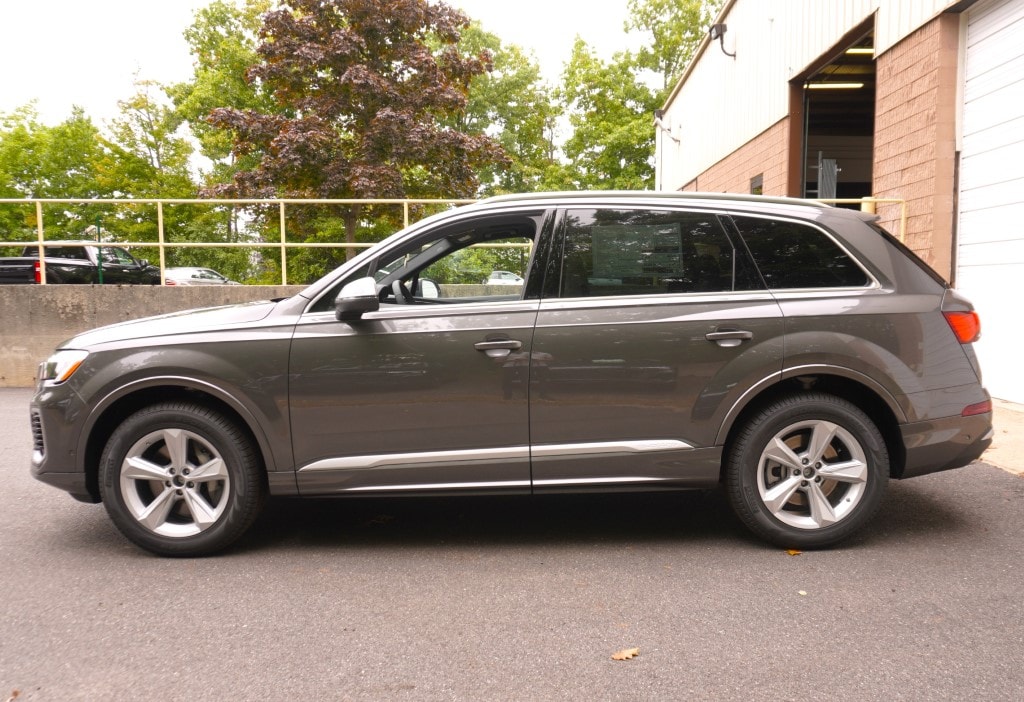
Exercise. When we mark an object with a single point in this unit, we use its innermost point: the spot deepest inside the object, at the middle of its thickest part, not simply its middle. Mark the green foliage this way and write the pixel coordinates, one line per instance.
(223, 41)
(512, 104)
(611, 112)
(39, 161)
(676, 29)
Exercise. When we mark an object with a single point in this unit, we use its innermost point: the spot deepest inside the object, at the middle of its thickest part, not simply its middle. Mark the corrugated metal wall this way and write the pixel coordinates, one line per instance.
(991, 233)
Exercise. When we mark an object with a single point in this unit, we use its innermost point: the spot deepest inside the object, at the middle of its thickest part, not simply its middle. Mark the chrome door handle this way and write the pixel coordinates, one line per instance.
(499, 348)
(728, 338)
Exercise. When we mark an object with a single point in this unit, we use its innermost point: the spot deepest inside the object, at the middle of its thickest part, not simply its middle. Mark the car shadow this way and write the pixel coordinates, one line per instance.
(519, 520)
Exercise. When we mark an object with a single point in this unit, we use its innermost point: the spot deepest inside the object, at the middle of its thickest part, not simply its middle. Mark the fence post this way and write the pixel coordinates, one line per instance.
(160, 239)
(39, 237)
(284, 255)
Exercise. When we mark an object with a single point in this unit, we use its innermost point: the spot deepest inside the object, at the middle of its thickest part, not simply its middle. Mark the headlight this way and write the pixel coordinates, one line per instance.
(61, 365)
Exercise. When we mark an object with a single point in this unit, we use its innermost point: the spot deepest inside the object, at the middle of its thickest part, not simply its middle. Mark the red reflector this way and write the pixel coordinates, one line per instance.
(965, 325)
(977, 408)
(39, 277)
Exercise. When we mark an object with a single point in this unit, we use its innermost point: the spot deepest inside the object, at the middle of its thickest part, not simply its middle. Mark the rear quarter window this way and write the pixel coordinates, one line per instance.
(794, 255)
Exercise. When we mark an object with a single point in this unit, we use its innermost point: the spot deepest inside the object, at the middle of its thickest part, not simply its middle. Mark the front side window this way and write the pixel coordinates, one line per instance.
(452, 264)
(791, 255)
(642, 252)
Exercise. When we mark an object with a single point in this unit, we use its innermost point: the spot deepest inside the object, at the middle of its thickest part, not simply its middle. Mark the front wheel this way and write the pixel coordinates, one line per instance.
(807, 471)
(180, 479)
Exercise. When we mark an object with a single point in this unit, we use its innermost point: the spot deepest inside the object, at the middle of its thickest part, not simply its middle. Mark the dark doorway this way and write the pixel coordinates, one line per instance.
(839, 124)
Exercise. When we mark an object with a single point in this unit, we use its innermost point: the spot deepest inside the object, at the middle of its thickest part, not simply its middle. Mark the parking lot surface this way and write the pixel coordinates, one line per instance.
(514, 599)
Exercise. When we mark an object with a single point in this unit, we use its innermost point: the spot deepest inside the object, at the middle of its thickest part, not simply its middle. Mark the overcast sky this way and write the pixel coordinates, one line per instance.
(88, 52)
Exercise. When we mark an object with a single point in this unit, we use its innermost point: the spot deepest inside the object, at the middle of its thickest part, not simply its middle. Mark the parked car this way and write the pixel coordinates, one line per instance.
(504, 278)
(77, 262)
(195, 276)
(793, 353)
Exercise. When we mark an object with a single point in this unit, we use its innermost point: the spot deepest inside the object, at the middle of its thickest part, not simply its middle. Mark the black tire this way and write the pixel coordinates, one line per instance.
(807, 471)
(180, 479)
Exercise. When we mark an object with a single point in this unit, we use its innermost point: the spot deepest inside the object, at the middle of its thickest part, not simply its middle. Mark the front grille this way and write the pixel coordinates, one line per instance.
(37, 435)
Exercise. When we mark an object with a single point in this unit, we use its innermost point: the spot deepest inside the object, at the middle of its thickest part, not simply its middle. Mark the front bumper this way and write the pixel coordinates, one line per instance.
(56, 413)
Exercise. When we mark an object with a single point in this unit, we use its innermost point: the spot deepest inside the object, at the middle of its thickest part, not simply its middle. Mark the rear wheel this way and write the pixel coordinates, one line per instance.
(807, 471)
(180, 480)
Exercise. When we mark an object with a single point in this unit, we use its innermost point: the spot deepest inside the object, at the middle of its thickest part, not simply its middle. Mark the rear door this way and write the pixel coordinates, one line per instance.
(655, 327)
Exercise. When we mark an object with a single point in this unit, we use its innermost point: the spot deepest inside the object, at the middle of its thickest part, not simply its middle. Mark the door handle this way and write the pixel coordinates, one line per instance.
(499, 348)
(729, 338)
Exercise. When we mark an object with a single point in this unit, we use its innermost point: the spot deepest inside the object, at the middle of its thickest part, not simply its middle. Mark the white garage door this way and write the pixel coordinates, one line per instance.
(990, 264)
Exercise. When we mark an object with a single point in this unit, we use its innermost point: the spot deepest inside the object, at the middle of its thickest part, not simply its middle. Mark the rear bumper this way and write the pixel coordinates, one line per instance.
(942, 444)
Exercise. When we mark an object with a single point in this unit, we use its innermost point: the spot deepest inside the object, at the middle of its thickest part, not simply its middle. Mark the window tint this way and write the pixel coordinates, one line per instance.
(792, 255)
(640, 252)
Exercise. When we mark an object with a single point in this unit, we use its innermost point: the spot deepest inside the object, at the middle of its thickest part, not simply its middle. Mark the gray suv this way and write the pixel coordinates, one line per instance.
(794, 353)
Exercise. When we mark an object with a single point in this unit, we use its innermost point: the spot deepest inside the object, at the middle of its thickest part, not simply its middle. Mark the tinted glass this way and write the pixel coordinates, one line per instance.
(792, 255)
(640, 252)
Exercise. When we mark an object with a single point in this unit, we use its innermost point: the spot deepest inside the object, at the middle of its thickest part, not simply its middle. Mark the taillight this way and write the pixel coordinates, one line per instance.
(38, 272)
(168, 281)
(977, 408)
(966, 326)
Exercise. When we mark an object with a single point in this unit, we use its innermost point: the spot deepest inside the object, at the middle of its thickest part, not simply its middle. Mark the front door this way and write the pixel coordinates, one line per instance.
(428, 393)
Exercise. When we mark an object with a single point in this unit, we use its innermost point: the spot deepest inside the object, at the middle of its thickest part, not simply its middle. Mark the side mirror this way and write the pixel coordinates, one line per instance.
(356, 299)
(427, 289)
(143, 263)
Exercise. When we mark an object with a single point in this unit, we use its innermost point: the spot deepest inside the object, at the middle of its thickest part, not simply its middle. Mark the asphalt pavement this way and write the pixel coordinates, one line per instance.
(516, 599)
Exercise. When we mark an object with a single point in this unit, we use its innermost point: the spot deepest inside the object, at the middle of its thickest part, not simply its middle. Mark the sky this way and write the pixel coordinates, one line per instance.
(88, 52)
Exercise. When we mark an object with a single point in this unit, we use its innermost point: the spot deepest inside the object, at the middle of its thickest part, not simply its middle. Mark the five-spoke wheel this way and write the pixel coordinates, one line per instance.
(807, 471)
(180, 479)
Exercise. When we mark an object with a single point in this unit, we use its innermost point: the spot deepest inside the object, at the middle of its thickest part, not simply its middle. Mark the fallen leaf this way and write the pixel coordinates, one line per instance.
(793, 551)
(625, 654)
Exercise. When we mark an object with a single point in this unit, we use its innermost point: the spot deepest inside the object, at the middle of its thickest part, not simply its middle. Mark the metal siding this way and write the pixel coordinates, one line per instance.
(990, 261)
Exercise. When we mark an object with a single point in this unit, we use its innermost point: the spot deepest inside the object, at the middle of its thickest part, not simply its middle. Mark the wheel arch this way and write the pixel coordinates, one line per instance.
(114, 409)
(867, 395)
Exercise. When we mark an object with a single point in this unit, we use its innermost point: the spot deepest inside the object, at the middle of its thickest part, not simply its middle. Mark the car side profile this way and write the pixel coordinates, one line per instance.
(793, 353)
(183, 275)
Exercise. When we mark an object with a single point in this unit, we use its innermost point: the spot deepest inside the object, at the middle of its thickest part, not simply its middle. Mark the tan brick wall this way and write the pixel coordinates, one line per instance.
(765, 155)
(915, 137)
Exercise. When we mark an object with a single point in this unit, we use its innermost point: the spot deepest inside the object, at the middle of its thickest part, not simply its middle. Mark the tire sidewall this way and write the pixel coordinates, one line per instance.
(243, 497)
(742, 468)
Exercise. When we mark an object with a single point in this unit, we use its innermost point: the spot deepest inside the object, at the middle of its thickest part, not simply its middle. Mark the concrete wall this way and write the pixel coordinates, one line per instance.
(35, 318)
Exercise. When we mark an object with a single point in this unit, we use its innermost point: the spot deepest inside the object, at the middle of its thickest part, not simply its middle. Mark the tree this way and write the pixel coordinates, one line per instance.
(513, 105)
(223, 41)
(676, 28)
(360, 102)
(610, 112)
(39, 161)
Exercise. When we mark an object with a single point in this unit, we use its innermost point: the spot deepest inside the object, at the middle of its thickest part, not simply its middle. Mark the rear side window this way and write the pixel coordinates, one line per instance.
(643, 252)
(793, 255)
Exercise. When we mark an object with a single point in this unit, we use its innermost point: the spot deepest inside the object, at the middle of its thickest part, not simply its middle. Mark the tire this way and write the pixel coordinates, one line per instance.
(179, 479)
(807, 471)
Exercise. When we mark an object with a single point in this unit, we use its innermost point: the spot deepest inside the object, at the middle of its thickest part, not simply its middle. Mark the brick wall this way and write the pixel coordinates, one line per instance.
(915, 137)
(765, 155)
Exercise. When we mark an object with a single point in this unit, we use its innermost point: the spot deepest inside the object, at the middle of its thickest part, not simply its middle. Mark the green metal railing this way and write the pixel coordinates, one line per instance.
(162, 244)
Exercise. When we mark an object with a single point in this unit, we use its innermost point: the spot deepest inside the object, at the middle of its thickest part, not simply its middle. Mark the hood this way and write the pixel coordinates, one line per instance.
(187, 321)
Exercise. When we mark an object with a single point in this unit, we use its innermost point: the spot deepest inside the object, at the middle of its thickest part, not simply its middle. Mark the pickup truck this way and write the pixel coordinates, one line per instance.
(73, 262)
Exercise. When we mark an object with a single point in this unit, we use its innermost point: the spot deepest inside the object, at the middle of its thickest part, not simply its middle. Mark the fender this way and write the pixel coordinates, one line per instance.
(815, 369)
